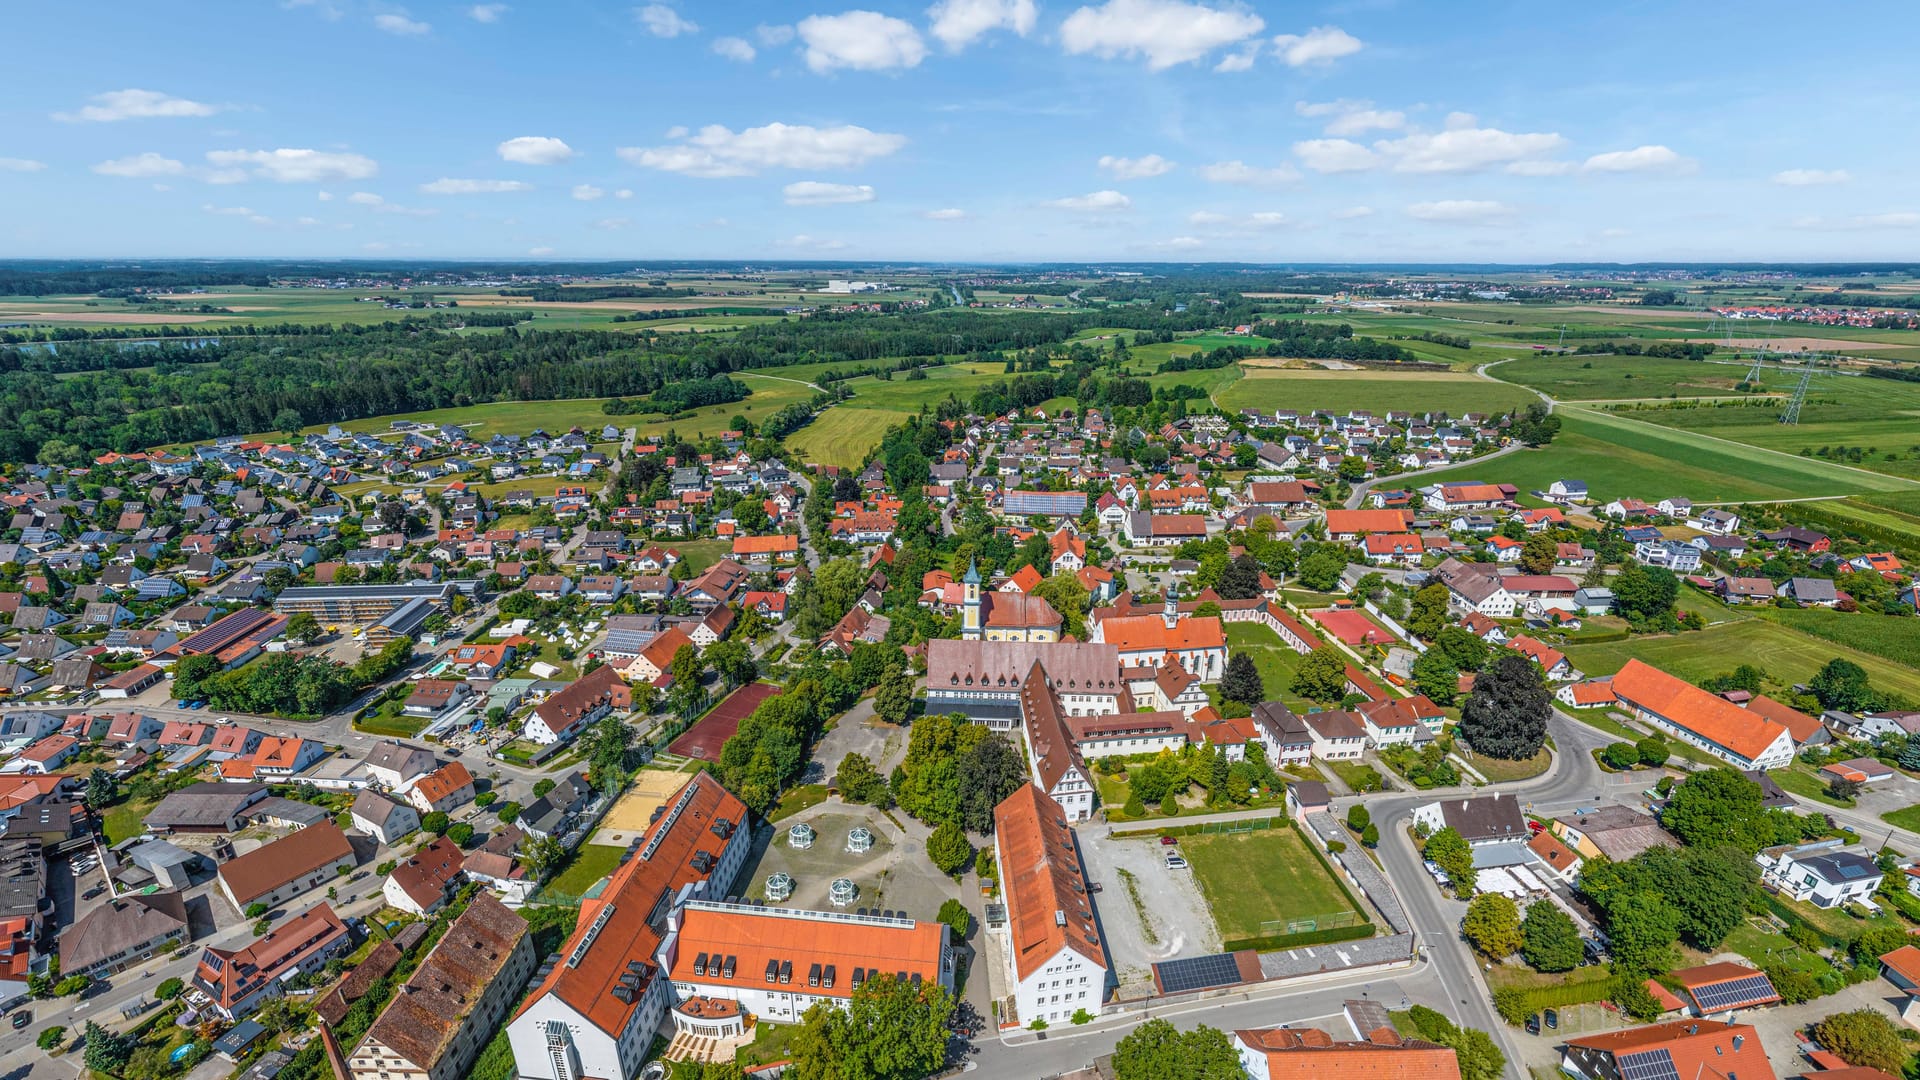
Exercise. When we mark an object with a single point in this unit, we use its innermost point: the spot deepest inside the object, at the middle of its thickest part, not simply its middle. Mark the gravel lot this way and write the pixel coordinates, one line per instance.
(1179, 923)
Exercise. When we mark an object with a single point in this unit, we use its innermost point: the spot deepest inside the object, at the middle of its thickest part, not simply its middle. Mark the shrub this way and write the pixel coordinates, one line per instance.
(1652, 750)
(169, 989)
(435, 822)
(1135, 808)
(485, 799)
(956, 915)
(53, 1036)
(1620, 755)
(255, 910)
(948, 848)
(1038, 1024)
(1168, 805)
(1370, 836)
(72, 984)
(1082, 1016)
(1358, 818)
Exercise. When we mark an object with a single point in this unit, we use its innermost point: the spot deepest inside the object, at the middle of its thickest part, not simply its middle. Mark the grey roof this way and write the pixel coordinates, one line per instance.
(1840, 867)
(375, 807)
(1491, 817)
(403, 758)
(204, 804)
(998, 666)
(22, 876)
(299, 813)
(157, 853)
(119, 925)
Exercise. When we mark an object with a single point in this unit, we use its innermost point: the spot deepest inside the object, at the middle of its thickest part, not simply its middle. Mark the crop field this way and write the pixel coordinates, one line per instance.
(1783, 653)
(1620, 456)
(1286, 388)
(842, 436)
(1252, 880)
(1896, 639)
(1881, 417)
(1614, 378)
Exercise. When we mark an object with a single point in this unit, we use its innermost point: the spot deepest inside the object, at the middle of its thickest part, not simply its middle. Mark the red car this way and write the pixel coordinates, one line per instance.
(1168, 840)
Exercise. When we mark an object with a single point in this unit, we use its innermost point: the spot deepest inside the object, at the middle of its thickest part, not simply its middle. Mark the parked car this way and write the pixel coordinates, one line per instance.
(93, 892)
(1175, 862)
(22, 1019)
(1168, 840)
(1533, 1023)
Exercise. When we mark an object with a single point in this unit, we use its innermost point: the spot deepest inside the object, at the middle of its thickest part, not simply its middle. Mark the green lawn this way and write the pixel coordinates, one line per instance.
(1891, 637)
(1275, 661)
(1455, 393)
(1590, 378)
(842, 436)
(701, 554)
(1784, 654)
(796, 799)
(591, 862)
(1357, 775)
(1498, 770)
(127, 819)
(1907, 817)
(1801, 780)
(1256, 882)
(391, 720)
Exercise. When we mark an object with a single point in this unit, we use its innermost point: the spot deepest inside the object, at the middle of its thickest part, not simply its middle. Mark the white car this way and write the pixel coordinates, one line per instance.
(1176, 862)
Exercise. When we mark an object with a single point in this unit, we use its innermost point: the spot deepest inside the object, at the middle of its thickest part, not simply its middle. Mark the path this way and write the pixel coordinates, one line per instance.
(780, 378)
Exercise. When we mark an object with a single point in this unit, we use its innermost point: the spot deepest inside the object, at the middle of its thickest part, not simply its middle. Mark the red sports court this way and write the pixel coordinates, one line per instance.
(704, 739)
(1352, 626)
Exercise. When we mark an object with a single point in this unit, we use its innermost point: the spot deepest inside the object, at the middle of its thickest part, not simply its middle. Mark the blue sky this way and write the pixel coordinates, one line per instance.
(961, 130)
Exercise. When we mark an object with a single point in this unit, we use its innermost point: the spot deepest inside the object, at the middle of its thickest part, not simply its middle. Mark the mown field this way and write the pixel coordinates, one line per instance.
(1879, 416)
(1893, 638)
(1257, 879)
(1612, 378)
(1784, 653)
(843, 436)
(1617, 455)
(1455, 394)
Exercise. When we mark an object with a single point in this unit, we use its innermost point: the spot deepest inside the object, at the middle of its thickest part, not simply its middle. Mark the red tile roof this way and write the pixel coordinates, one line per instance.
(1041, 878)
(1310, 1054)
(1647, 687)
(1700, 1049)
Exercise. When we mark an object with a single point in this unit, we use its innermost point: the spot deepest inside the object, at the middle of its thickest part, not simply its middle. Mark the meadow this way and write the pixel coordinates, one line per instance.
(1338, 391)
(1880, 416)
(1785, 654)
(1256, 882)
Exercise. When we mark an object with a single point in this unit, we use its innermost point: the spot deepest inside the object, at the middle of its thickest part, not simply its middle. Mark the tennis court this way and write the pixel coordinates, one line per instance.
(1352, 626)
(704, 739)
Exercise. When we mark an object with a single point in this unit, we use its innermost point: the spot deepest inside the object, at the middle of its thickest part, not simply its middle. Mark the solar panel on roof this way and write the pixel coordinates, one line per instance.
(1197, 973)
(1647, 1065)
(1734, 993)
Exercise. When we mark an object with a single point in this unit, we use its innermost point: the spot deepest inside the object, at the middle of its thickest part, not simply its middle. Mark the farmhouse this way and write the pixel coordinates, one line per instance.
(1721, 728)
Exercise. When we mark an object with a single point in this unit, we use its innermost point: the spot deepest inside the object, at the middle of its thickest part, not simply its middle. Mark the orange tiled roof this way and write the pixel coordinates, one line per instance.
(1647, 687)
(1041, 875)
(444, 781)
(755, 938)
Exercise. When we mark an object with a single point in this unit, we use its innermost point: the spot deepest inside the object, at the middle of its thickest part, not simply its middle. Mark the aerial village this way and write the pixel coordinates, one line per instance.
(422, 752)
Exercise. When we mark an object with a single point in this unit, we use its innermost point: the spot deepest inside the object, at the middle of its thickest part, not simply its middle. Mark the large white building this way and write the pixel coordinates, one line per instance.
(1197, 643)
(596, 1013)
(1742, 737)
(1057, 962)
(1053, 756)
(982, 679)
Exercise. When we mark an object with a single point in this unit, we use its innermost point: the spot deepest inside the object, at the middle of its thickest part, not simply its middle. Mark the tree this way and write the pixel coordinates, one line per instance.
(1358, 818)
(605, 747)
(1429, 611)
(288, 421)
(107, 1052)
(1478, 1057)
(1240, 580)
(101, 788)
(948, 848)
(51, 1037)
(1718, 806)
(1863, 1038)
(1156, 1050)
(1370, 836)
(1645, 592)
(891, 1030)
(1620, 755)
(1842, 684)
(435, 822)
(1169, 806)
(256, 909)
(1641, 930)
(1539, 554)
(1135, 807)
(1448, 850)
(685, 668)
(1435, 676)
(988, 773)
(733, 660)
(1322, 675)
(1241, 681)
(860, 782)
(508, 812)
(544, 854)
(541, 787)
(302, 626)
(893, 698)
(1652, 751)
(1321, 570)
(1506, 714)
(1468, 652)
(1492, 925)
(957, 917)
(1070, 598)
(1550, 942)
(459, 832)
(1632, 997)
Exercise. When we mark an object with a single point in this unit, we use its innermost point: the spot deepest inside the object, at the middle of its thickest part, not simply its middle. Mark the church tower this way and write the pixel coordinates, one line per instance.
(970, 628)
(1170, 611)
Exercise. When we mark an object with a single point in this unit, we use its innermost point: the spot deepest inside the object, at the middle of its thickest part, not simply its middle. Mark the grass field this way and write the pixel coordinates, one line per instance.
(843, 436)
(1880, 417)
(701, 554)
(1257, 879)
(1618, 456)
(590, 863)
(1275, 661)
(1907, 817)
(1596, 378)
(1895, 639)
(1784, 654)
(1452, 393)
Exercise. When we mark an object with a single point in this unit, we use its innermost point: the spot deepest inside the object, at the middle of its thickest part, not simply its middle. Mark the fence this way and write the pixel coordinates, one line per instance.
(1394, 627)
(1206, 828)
(1277, 942)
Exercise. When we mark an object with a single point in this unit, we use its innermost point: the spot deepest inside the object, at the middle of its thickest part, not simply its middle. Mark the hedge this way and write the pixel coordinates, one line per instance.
(1275, 942)
(1793, 918)
(1512, 1002)
(1203, 829)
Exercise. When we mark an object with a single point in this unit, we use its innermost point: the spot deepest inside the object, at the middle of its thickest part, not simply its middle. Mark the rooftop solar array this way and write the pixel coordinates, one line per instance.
(1197, 973)
(1734, 993)
(1648, 1065)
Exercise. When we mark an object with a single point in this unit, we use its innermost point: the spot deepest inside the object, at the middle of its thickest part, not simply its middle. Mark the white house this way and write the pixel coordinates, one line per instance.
(1820, 873)
(1739, 736)
(1057, 962)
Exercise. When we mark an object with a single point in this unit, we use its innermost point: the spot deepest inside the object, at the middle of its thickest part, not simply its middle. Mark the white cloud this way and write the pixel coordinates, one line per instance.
(662, 21)
(587, 192)
(1334, 155)
(1140, 168)
(486, 13)
(148, 164)
(1463, 147)
(1267, 219)
(1901, 219)
(1542, 167)
(1810, 177)
(773, 36)
(610, 224)
(1207, 217)
(623, 193)
(733, 48)
(1639, 159)
(1239, 172)
(238, 211)
(677, 131)
(543, 250)
(950, 213)
(811, 243)
(401, 25)
(368, 198)
(15, 164)
(135, 105)
(1460, 211)
(817, 193)
(957, 23)
(449, 186)
(1352, 117)
(860, 40)
(1185, 242)
(535, 150)
(306, 222)
(1094, 202)
(718, 151)
(1320, 45)
(1239, 61)
(291, 166)
(1263, 219)
(1165, 32)
(325, 196)
(1351, 213)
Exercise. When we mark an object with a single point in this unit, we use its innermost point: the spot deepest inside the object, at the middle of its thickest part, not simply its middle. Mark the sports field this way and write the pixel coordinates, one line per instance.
(1454, 393)
(630, 815)
(1783, 653)
(704, 739)
(1258, 882)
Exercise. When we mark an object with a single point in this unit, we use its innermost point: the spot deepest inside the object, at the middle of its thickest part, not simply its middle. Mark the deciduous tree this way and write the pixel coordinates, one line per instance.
(1550, 941)
(1506, 714)
(1492, 925)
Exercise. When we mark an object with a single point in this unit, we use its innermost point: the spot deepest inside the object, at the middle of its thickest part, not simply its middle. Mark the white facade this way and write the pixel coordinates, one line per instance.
(553, 1041)
(1820, 874)
(1059, 988)
(1778, 754)
(1074, 793)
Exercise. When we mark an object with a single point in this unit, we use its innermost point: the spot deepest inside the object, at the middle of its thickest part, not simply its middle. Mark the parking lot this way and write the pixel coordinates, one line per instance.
(1176, 923)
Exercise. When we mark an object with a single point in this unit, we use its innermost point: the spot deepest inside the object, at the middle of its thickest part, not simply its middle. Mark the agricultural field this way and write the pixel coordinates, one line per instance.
(1620, 378)
(842, 435)
(1617, 455)
(1304, 389)
(1255, 880)
(1880, 417)
(1891, 637)
(1786, 655)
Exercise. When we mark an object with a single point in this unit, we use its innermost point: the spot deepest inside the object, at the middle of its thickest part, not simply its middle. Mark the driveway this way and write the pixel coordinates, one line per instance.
(858, 731)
